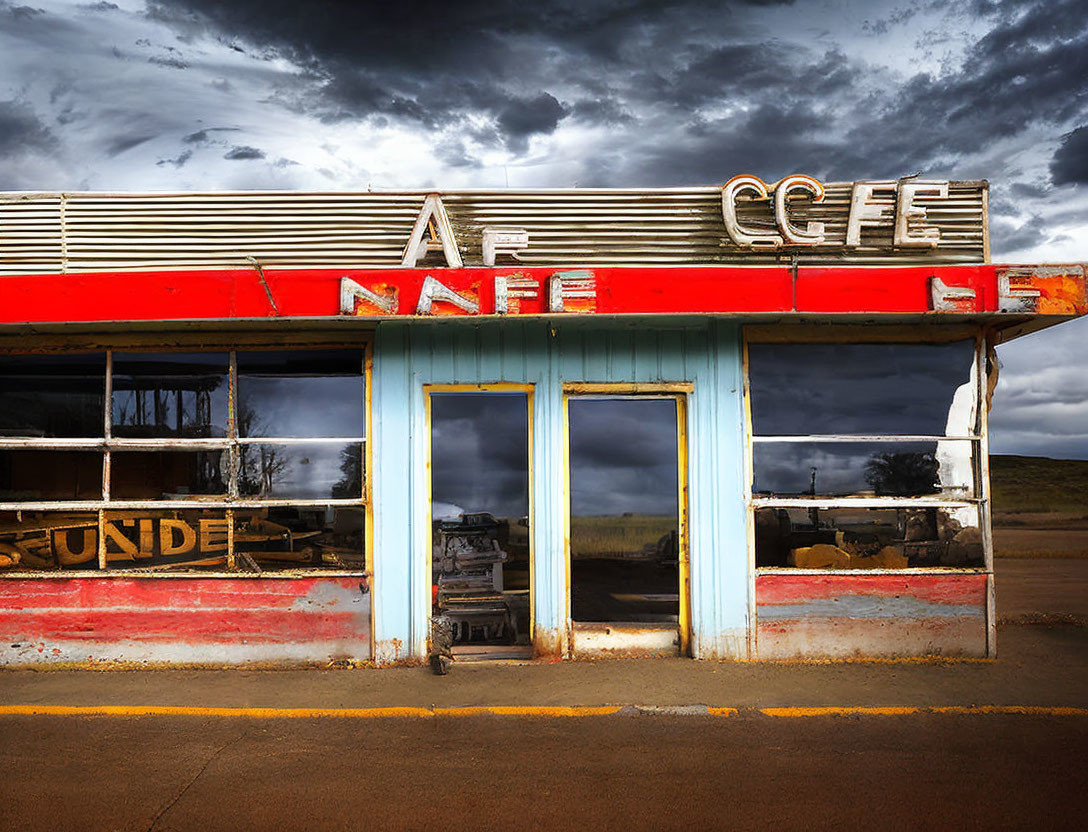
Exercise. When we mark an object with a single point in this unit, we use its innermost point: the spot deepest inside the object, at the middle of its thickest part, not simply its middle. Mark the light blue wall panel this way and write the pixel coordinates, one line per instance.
(547, 354)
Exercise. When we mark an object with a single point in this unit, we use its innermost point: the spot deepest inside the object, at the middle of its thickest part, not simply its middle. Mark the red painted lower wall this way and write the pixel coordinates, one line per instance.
(842, 616)
(200, 620)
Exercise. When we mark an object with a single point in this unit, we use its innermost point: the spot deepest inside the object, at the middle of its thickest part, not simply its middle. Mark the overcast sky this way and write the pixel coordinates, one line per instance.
(206, 94)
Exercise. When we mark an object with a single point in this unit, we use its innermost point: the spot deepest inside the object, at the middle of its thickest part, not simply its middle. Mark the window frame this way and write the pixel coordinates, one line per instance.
(107, 444)
(888, 334)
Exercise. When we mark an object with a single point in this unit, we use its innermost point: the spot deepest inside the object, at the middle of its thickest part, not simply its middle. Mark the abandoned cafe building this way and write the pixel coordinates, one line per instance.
(745, 421)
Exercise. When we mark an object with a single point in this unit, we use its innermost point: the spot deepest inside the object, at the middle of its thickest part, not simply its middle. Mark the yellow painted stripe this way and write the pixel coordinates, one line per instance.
(513, 710)
(837, 711)
(185, 710)
(967, 710)
(1025, 710)
(530, 710)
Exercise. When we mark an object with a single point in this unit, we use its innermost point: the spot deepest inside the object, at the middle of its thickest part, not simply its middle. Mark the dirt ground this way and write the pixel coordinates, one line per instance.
(1041, 586)
(622, 773)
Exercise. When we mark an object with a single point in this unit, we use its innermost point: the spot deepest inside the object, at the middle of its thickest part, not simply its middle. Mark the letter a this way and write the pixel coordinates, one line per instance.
(432, 217)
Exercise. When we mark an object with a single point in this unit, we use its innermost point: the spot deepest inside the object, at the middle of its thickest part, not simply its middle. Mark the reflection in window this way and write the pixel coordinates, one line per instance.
(868, 538)
(480, 508)
(896, 469)
(314, 393)
(142, 475)
(50, 475)
(624, 510)
(52, 395)
(919, 389)
(300, 471)
(170, 394)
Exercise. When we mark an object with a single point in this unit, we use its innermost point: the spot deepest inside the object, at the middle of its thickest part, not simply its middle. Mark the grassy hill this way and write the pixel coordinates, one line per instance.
(1030, 484)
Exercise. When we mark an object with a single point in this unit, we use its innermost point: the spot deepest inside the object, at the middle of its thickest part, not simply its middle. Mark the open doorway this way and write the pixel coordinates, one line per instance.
(481, 561)
(627, 539)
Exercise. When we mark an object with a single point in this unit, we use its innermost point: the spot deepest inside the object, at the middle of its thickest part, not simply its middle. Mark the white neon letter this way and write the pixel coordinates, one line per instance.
(813, 234)
(433, 219)
(908, 214)
(433, 291)
(867, 208)
(742, 236)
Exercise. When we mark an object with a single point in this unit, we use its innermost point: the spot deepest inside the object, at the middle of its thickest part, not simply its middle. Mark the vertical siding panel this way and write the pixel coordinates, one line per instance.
(440, 346)
(621, 357)
(569, 346)
(489, 355)
(646, 358)
(466, 352)
(392, 555)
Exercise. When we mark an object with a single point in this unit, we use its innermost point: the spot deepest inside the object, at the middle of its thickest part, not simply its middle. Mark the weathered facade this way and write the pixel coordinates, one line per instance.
(220, 420)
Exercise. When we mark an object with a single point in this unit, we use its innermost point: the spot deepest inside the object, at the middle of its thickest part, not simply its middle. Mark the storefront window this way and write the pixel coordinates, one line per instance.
(224, 461)
(865, 456)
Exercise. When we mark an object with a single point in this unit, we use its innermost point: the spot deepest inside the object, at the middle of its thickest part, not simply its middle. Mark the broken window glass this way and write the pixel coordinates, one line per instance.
(52, 395)
(32, 476)
(155, 475)
(48, 540)
(868, 538)
(299, 537)
(873, 389)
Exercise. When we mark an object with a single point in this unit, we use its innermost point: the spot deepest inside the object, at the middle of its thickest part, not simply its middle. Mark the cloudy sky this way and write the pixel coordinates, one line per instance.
(206, 94)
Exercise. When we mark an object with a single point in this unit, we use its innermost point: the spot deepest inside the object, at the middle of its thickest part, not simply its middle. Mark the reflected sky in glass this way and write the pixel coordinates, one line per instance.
(799, 389)
(480, 453)
(623, 456)
(301, 393)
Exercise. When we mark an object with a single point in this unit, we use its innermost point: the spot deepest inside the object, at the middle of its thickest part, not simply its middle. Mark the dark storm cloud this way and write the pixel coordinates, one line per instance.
(430, 63)
(21, 130)
(243, 152)
(1070, 163)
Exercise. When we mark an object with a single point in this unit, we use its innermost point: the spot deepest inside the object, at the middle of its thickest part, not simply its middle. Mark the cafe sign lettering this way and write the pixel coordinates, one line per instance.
(792, 215)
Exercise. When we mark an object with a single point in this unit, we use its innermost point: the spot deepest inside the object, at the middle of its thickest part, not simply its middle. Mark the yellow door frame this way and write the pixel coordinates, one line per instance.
(679, 392)
(499, 387)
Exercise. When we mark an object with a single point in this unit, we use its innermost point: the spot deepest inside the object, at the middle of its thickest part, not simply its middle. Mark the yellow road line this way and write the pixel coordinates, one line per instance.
(185, 710)
(839, 711)
(962, 710)
(530, 710)
(1025, 710)
(519, 710)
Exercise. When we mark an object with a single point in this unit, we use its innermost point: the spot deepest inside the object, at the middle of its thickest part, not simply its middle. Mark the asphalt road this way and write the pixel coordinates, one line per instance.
(750, 771)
